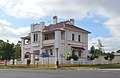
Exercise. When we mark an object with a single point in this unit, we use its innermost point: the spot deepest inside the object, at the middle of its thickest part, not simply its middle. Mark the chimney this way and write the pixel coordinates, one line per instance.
(54, 19)
(42, 25)
(32, 27)
(72, 21)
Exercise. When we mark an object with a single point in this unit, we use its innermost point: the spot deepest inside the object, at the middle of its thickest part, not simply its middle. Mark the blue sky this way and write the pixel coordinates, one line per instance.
(89, 23)
(101, 19)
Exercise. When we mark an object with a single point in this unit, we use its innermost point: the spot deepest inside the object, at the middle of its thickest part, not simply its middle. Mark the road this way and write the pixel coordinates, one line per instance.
(15, 73)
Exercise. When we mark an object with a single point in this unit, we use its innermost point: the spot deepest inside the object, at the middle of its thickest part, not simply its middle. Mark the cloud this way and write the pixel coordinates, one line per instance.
(65, 9)
(41, 8)
(109, 44)
(9, 33)
(74, 8)
(5, 22)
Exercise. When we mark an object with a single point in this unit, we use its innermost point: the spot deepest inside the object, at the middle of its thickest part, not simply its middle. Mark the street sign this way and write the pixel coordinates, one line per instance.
(68, 54)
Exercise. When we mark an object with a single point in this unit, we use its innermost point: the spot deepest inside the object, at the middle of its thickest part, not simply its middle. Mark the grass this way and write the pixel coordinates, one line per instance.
(98, 66)
(29, 67)
(108, 66)
(63, 67)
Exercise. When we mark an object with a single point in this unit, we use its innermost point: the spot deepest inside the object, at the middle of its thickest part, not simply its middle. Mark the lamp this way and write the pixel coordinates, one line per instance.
(57, 62)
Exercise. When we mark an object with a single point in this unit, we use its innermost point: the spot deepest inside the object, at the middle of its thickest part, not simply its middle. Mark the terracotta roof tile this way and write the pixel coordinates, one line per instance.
(54, 26)
(75, 27)
(62, 25)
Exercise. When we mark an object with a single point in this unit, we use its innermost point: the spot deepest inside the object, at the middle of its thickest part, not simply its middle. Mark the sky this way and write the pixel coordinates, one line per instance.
(100, 17)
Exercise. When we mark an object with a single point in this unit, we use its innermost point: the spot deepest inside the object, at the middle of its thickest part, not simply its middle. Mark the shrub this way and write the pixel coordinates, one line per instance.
(75, 57)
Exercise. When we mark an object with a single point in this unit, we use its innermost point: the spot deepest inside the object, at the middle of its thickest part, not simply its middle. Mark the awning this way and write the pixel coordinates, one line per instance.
(46, 47)
(77, 48)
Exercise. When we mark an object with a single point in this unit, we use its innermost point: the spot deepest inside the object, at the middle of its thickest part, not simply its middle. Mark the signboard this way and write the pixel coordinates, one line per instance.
(68, 54)
(45, 55)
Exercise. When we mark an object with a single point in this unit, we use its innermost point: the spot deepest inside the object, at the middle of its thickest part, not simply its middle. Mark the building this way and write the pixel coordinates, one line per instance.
(57, 40)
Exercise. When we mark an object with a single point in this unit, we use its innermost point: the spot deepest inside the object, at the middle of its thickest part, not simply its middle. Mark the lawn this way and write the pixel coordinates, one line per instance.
(62, 67)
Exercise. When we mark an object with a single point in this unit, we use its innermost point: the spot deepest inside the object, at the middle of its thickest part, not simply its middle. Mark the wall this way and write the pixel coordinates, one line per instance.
(83, 43)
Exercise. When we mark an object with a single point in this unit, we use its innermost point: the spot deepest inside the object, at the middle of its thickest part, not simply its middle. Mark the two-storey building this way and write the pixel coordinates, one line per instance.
(57, 40)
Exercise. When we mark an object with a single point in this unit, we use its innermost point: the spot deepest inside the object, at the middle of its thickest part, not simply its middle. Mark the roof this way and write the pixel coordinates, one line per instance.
(75, 27)
(64, 25)
(77, 48)
(54, 26)
(27, 37)
(49, 46)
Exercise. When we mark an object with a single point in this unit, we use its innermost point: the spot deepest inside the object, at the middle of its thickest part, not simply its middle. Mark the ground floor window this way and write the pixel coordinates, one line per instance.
(73, 53)
(51, 52)
(46, 50)
(79, 53)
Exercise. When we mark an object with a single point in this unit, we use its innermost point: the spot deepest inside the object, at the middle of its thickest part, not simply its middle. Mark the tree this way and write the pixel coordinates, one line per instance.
(118, 51)
(7, 49)
(94, 53)
(17, 51)
(92, 50)
(109, 56)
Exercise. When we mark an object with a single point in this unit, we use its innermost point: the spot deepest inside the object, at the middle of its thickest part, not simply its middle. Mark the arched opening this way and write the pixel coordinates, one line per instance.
(27, 55)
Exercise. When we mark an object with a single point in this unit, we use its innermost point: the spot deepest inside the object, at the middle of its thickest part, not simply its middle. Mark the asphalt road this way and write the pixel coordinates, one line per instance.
(13, 73)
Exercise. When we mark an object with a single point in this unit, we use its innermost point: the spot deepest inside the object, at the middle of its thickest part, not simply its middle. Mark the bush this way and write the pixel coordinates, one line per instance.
(75, 57)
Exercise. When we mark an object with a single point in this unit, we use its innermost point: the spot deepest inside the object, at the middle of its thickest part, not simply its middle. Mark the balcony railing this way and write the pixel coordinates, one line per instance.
(50, 41)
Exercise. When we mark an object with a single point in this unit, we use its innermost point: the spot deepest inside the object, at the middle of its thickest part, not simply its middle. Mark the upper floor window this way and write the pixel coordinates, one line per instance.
(49, 36)
(62, 35)
(46, 36)
(35, 37)
(79, 38)
(73, 37)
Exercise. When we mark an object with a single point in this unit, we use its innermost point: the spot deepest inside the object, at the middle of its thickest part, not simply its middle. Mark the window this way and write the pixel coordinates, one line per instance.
(46, 36)
(73, 53)
(79, 53)
(79, 38)
(62, 35)
(51, 52)
(35, 37)
(49, 36)
(73, 36)
(52, 35)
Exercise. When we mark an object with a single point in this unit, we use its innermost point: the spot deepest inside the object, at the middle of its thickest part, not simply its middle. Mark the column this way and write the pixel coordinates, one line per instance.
(22, 50)
(66, 43)
(57, 45)
(32, 58)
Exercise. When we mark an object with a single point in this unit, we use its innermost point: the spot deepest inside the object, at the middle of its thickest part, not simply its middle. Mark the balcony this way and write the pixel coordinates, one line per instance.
(36, 43)
(75, 42)
(50, 41)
